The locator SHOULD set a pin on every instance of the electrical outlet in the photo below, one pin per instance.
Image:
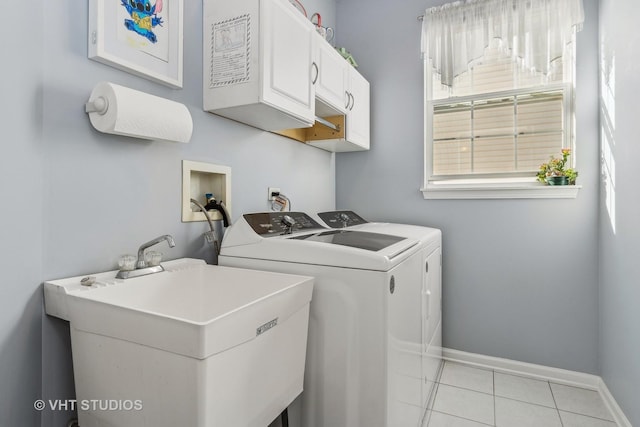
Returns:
(272, 190)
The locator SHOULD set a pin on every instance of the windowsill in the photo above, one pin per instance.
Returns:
(497, 188)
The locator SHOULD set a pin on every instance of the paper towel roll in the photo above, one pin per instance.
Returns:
(128, 112)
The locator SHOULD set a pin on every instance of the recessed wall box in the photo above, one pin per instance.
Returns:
(200, 178)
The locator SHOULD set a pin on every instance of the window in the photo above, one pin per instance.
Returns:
(496, 107)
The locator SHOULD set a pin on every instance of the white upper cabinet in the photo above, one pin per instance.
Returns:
(331, 78)
(287, 59)
(358, 115)
(258, 63)
(266, 66)
(350, 96)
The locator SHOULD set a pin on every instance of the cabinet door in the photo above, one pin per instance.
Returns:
(358, 126)
(287, 57)
(332, 76)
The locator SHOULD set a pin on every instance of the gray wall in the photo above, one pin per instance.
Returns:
(21, 217)
(619, 229)
(520, 277)
(75, 199)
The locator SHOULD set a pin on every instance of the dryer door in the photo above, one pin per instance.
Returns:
(431, 318)
(405, 343)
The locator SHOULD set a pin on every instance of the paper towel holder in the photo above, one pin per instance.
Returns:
(99, 105)
(123, 111)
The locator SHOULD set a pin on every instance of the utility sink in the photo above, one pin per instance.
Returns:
(195, 345)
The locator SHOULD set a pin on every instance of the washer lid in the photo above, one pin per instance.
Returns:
(271, 236)
(355, 239)
(349, 220)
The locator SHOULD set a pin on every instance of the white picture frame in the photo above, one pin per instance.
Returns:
(133, 36)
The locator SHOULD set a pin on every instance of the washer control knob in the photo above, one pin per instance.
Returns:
(345, 219)
(289, 223)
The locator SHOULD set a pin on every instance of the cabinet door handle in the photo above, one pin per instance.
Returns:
(350, 101)
(315, 79)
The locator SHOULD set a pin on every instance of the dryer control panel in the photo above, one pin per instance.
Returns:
(269, 224)
(341, 219)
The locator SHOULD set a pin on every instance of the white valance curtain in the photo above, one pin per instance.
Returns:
(535, 32)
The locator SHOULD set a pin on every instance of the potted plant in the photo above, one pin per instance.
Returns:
(554, 172)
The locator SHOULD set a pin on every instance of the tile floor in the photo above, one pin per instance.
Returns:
(471, 397)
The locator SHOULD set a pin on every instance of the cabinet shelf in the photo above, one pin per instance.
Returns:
(318, 131)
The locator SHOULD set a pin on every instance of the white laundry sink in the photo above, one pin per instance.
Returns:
(195, 345)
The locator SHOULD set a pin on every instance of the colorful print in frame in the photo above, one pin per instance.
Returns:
(143, 37)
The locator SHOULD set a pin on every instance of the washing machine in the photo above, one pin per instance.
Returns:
(367, 350)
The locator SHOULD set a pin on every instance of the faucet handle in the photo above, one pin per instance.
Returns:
(152, 258)
(127, 262)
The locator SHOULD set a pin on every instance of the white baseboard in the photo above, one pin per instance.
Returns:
(615, 409)
(558, 376)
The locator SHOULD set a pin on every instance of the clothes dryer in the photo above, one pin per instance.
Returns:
(430, 247)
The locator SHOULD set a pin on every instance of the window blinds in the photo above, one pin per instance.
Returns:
(513, 133)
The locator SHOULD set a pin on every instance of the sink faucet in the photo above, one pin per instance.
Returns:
(141, 262)
(141, 265)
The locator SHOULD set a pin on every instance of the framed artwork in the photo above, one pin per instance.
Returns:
(142, 37)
